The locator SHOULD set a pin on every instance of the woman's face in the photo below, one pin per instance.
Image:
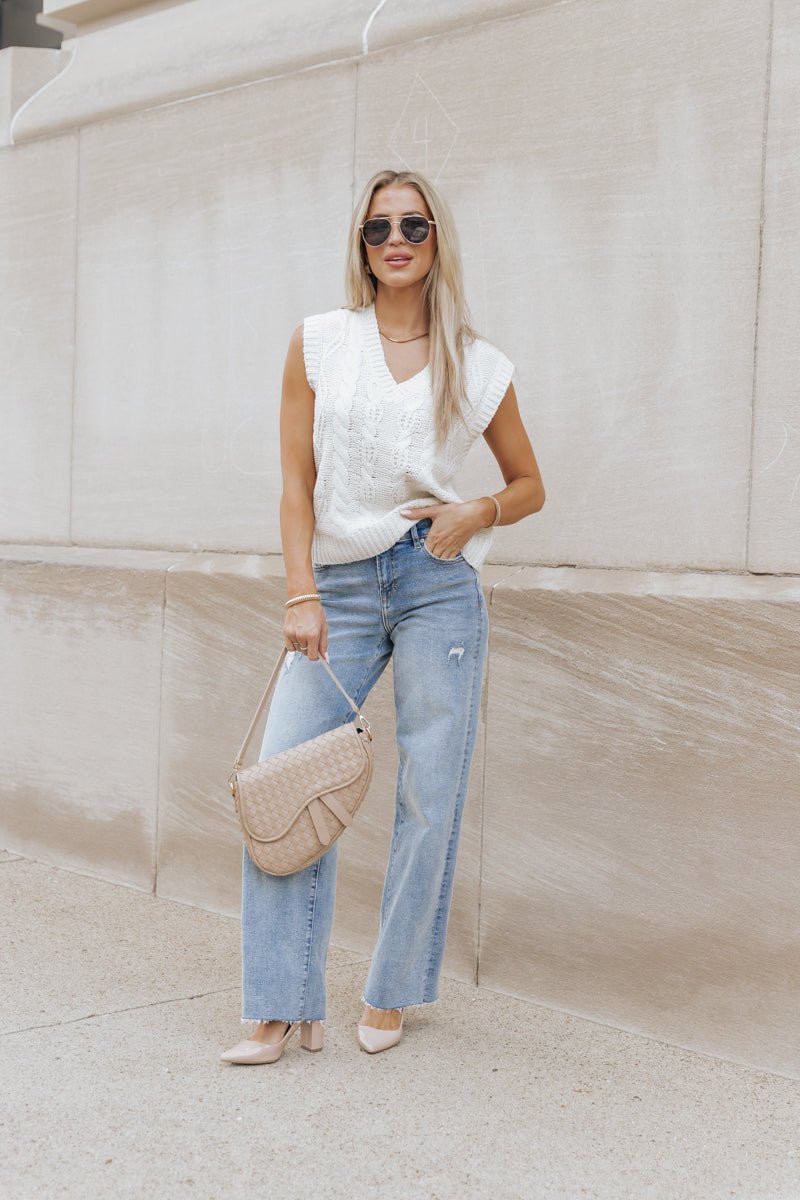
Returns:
(397, 201)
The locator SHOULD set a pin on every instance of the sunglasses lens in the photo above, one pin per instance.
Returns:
(414, 229)
(376, 231)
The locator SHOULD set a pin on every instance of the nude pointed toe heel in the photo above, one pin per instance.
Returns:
(312, 1035)
(254, 1051)
(374, 1040)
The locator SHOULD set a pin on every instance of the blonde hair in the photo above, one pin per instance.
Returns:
(449, 322)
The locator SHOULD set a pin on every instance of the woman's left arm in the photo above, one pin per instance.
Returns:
(523, 494)
(508, 441)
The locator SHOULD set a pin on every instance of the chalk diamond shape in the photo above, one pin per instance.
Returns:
(425, 134)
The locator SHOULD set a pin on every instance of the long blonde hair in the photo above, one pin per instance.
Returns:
(445, 307)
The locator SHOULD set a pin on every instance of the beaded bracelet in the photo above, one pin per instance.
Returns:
(496, 520)
(298, 599)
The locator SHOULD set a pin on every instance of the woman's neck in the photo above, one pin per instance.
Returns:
(401, 311)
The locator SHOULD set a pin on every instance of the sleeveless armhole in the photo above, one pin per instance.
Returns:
(312, 348)
(496, 372)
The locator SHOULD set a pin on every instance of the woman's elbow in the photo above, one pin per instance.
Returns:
(538, 496)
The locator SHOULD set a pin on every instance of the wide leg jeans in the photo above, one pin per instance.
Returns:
(428, 615)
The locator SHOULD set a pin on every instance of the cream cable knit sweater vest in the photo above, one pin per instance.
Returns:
(374, 444)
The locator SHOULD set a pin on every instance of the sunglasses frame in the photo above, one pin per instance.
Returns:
(398, 222)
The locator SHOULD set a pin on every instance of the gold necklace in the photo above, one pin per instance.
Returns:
(411, 339)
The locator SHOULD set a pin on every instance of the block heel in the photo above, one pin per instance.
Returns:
(312, 1035)
(255, 1051)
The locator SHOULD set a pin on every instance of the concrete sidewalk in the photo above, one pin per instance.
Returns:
(116, 1006)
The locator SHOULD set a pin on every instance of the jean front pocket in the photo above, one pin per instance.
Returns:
(456, 557)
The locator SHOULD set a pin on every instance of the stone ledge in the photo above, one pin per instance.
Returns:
(89, 556)
(180, 53)
(117, 69)
(68, 16)
(208, 562)
(697, 585)
(495, 577)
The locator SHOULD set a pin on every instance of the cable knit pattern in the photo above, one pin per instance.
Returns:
(375, 440)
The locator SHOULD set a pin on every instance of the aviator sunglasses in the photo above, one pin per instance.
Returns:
(414, 229)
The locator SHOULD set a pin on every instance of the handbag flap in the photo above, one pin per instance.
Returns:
(275, 792)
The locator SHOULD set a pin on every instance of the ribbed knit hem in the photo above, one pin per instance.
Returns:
(361, 543)
(382, 535)
(312, 348)
(477, 548)
(495, 391)
(371, 341)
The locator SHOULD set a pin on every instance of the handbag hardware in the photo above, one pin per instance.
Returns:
(292, 806)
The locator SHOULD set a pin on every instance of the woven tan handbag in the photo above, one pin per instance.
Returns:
(293, 806)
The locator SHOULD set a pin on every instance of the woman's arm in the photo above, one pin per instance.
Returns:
(305, 623)
(508, 441)
(454, 524)
(298, 470)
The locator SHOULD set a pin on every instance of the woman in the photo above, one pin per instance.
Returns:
(381, 401)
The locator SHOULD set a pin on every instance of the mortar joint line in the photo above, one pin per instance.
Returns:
(160, 739)
(761, 217)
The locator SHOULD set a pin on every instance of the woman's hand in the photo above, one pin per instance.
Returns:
(452, 524)
(306, 629)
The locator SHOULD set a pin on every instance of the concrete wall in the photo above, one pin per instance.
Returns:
(174, 193)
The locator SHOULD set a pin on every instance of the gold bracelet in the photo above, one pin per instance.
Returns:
(299, 599)
(496, 520)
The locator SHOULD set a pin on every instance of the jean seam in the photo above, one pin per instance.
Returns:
(461, 784)
(310, 939)
(359, 699)
(399, 822)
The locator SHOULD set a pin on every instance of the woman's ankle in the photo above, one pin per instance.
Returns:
(271, 1030)
(381, 1018)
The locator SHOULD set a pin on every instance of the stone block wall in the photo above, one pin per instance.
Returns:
(174, 193)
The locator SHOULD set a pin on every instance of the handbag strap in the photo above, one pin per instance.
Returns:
(268, 691)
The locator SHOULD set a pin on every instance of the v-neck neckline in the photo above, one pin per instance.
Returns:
(379, 357)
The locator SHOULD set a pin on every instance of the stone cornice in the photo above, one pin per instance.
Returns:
(172, 50)
(69, 16)
(182, 51)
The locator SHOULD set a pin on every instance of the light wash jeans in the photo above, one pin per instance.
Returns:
(429, 615)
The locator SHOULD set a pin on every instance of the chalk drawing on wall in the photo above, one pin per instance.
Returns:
(425, 134)
(791, 434)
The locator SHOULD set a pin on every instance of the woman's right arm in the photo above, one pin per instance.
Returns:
(305, 623)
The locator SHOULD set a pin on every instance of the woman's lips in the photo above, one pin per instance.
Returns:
(397, 262)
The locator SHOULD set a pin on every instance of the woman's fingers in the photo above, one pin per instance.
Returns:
(307, 641)
(295, 639)
(319, 647)
(312, 647)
